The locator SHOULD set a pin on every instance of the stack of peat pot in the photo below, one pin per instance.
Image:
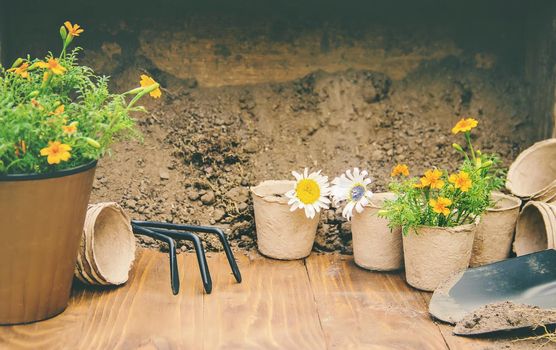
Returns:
(532, 177)
(107, 248)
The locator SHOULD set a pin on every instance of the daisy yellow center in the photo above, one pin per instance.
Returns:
(307, 191)
(357, 192)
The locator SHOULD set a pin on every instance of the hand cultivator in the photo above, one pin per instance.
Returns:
(168, 233)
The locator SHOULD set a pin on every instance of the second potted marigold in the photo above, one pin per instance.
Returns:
(438, 213)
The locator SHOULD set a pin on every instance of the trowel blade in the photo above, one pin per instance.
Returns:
(528, 279)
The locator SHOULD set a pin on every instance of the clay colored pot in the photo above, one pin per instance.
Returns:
(533, 174)
(375, 246)
(536, 228)
(107, 248)
(41, 222)
(495, 232)
(281, 234)
(434, 254)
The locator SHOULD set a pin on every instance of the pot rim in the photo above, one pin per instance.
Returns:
(464, 227)
(274, 198)
(52, 175)
(517, 202)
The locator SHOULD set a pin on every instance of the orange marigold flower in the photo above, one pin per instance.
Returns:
(70, 129)
(461, 181)
(400, 169)
(36, 104)
(432, 178)
(440, 205)
(464, 125)
(21, 70)
(73, 30)
(146, 82)
(59, 110)
(56, 152)
(54, 66)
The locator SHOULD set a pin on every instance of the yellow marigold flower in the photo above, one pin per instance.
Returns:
(147, 81)
(70, 129)
(56, 152)
(440, 205)
(432, 178)
(54, 66)
(461, 181)
(464, 125)
(59, 110)
(400, 169)
(73, 30)
(21, 70)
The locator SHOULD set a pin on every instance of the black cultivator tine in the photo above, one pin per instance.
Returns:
(200, 252)
(174, 275)
(202, 229)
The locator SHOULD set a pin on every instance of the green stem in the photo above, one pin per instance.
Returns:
(468, 139)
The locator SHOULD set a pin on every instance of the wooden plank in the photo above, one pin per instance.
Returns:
(273, 308)
(368, 310)
(141, 314)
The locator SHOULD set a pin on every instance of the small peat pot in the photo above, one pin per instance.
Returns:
(375, 245)
(41, 222)
(281, 233)
(495, 232)
(433, 254)
(107, 248)
(533, 174)
(536, 228)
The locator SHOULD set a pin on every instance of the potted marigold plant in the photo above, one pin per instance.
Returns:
(57, 119)
(439, 212)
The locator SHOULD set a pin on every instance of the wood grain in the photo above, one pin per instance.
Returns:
(324, 302)
(272, 309)
(360, 309)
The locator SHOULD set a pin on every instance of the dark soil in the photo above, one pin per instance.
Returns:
(252, 95)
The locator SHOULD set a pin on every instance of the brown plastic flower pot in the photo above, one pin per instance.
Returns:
(41, 222)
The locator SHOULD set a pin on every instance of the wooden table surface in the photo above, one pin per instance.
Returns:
(322, 302)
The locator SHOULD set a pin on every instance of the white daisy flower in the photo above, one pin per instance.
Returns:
(353, 189)
(310, 193)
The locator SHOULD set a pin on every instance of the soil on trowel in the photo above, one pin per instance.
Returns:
(504, 316)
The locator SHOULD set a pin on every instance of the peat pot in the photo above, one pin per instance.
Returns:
(495, 232)
(433, 254)
(532, 176)
(107, 247)
(281, 233)
(375, 245)
(41, 220)
(536, 228)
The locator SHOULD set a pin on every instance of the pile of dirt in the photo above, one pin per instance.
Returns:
(204, 146)
(504, 316)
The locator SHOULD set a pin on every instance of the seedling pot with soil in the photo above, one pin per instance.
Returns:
(40, 228)
(375, 245)
(434, 254)
(281, 233)
(495, 232)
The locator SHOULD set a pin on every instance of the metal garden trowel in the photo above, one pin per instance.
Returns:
(528, 280)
